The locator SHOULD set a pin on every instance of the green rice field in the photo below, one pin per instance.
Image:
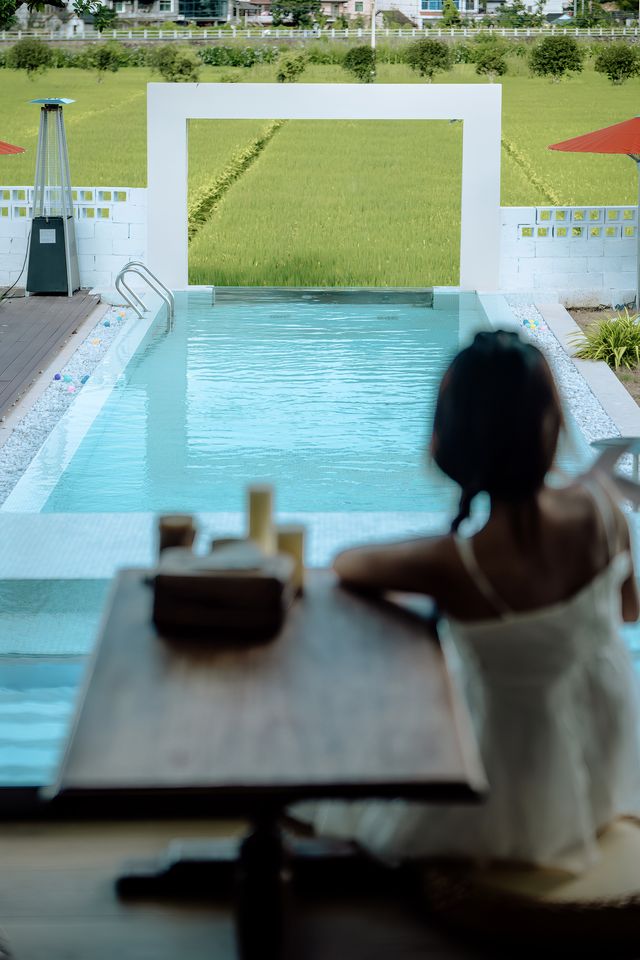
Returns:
(349, 203)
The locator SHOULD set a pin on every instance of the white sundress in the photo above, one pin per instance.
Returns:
(553, 697)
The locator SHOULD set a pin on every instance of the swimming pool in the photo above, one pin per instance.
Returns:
(326, 394)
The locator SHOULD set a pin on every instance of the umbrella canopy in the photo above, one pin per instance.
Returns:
(7, 148)
(618, 138)
(621, 138)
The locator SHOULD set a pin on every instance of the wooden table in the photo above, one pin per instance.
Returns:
(352, 699)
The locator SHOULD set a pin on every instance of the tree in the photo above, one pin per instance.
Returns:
(555, 57)
(428, 57)
(291, 69)
(516, 14)
(618, 61)
(361, 62)
(175, 64)
(30, 55)
(299, 13)
(7, 14)
(490, 62)
(450, 14)
(107, 57)
(103, 16)
(489, 54)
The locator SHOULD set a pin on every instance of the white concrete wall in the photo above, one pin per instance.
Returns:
(584, 256)
(111, 228)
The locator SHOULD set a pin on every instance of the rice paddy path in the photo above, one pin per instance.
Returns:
(207, 200)
(521, 160)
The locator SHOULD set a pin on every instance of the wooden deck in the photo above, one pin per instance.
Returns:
(32, 330)
(57, 902)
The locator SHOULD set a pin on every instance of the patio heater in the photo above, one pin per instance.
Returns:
(53, 257)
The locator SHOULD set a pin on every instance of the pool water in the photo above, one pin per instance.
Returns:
(327, 396)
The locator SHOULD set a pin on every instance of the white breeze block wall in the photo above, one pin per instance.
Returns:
(585, 256)
(111, 228)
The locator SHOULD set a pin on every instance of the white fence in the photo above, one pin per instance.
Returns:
(287, 33)
(585, 256)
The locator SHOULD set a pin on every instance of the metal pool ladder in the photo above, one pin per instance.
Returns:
(132, 298)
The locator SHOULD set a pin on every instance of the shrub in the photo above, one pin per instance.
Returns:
(462, 53)
(291, 69)
(616, 340)
(361, 62)
(108, 57)
(30, 55)
(175, 64)
(618, 61)
(490, 56)
(555, 56)
(428, 57)
(237, 56)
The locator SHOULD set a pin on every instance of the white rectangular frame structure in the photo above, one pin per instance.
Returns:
(170, 105)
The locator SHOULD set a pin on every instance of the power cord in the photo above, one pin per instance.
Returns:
(5, 294)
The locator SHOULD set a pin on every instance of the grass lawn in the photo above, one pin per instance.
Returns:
(345, 203)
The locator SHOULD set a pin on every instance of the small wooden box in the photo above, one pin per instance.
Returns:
(235, 594)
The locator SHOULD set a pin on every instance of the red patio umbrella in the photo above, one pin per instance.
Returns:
(7, 148)
(618, 138)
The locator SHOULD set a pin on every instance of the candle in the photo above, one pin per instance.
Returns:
(260, 517)
(175, 530)
(290, 540)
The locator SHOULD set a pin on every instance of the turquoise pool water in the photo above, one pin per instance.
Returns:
(328, 396)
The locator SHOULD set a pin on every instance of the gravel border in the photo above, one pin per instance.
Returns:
(33, 429)
(581, 402)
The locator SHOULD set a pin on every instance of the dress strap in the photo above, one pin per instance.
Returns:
(473, 568)
(605, 509)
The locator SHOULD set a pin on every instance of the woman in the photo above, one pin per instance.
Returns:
(532, 604)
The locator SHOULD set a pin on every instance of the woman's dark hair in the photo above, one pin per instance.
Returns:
(497, 420)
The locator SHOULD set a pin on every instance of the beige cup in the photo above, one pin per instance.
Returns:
(290, 540)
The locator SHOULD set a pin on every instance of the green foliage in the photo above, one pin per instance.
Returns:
(236, 56)
(108, 58)
(7, 14)
(616, 340)
(618, 61)
(104, 18)
(429, 57)
(299, 13)
(490, 63)
(450, 14)
(30, 55)
(361, 62)
(320, 51)
(291, 69)
(175, 64)
(555, 57)
(516, 14)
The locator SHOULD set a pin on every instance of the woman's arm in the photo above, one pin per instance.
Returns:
(410, 566)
